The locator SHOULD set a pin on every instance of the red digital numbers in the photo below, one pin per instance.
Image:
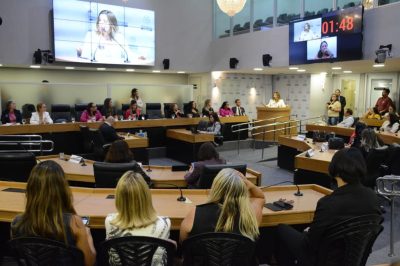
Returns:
(346, 24)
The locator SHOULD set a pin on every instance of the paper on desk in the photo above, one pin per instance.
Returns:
(75, 159)
(188, 201)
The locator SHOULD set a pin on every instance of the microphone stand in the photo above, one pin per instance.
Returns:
(298, 193)
(181, 198)
(83, 162)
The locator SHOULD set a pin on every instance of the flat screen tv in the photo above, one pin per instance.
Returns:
(331, 37)
(95, 33)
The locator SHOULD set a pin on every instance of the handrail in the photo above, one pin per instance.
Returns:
(276, 124)
(25, 140)
(259, 121)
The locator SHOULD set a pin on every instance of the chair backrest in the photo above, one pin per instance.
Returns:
(393, 160)
(218, 249)
(153, 110)
(209, 172)
(61, 113)
(124, 107)
(186, 108)
(16, 166)
(79, 108)
(87, 141)
(107, 175)
(136, 250)
(98, 142)
(27, 110)
(349, 243)
(42, 251)
(375, 158)
(167, 108)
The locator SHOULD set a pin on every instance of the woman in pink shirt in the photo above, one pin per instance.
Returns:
(225, 110)
(91, 114)
(133, 112)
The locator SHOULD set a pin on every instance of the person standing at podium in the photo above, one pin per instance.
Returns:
(276, 101)
(238, 109)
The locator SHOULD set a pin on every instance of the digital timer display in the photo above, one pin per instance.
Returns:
(334, 36)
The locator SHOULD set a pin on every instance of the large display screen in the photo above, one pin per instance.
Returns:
(334, 36)
(90, 32)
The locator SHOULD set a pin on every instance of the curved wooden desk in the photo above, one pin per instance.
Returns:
(94, 203)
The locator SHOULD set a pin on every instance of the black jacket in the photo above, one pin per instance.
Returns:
(241, 110)
(109, 133)
(5, 119)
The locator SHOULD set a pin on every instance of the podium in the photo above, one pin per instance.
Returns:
(275, 115)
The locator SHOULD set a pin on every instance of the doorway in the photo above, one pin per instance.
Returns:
(348, 90)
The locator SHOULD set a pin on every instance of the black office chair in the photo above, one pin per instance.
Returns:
(16, 166)
(375, 159)
(186, 108)
(106, 175)
(167, 109)
(61, 113)
(153, 110)
(136, 250)
(349, 242)
(209, 172)
(27, 110)
(218, 248)
(79, 109)
(99, 147)
(41, 251)
(393, 160)
(87, 141)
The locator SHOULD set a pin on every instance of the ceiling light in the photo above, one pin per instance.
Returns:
(69, 68)
(156, 71)
(347, 71)
(101, 68)
(34, 66)
(181, 72)
(301, 70)
(293, 68)
(378, 65)
(257, 69)
(336, 68)
(130, 70)
(1, 65)
(231, 7)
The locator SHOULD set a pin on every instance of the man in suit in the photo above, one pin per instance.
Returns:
(238, 109)
(108, 131)
(342, 101)
(351, 199)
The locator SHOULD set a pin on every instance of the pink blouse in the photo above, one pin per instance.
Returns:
(225, 112)
(85, 117)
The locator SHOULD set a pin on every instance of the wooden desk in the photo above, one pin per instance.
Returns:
(288, 148)
(389, 138)
(372, 122)
(317, 163)
(161, 175)
(187, 136)
(135, 142)
(93, 203)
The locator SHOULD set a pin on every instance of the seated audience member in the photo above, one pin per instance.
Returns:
(348, 120)
(348, 168)
(391, 124)
(119, 152)
(11, 115)
(50, 213)
(192, 110)
(41, 116)
(334, 108)
(234, 206)
(372, 113)
(238, 109)
(174, 112)
(207, 155)
(225, 110)
(135, 216)
(133, 113)
(135, 96)
(369, 141)
(108, 108)
(392, 109)
(276, 101)
(108, 131)
(383, 103)
(355, 138)
(207, 109)
(214, 125)
(91, 114)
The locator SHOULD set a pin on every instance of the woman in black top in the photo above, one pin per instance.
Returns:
(11, 114)
(108, 108)
(119, 152)
(355, 138)
(207, 109)
(192, 110)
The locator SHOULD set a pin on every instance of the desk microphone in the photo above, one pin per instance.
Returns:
(148, 168)
(181, 197)
(83, 162)
(298, 193)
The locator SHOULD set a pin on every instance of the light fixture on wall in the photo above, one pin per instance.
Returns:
(231, 7)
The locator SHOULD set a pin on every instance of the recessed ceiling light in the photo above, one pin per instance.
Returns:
(347, 71)
(34, 66)
(257, 69)
(130, 70)
(336, 68)
(101, 68)
(378, 65)
(69, 68)
(293, 68)
(301, 70)
(181, 72)
(156, 71)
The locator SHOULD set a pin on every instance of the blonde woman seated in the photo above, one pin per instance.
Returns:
(50, 213)
(276, 101)
(234, 206)
(41, 116)
(136, 215)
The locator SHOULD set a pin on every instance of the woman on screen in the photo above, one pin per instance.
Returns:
(307, 34)
(276, 101)
(106, 44)
(324, 52)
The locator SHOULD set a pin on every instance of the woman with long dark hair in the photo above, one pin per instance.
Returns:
(91, 114)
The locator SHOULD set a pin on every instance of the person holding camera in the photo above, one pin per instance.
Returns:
(334, 107)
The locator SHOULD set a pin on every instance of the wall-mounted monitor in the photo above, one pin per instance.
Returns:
(331, 37)
(90, 32)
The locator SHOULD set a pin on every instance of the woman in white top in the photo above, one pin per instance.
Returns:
(276, 101)
(136, 216)
(41, 116)
(135, 96)
(391, 124)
